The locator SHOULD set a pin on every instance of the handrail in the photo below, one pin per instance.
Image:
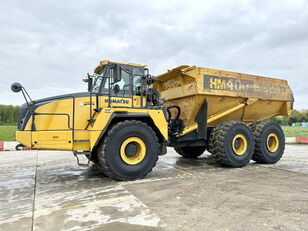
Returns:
(73, 122)
(64, 114)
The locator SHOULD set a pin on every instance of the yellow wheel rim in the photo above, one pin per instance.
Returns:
(272, 142)
(239, 144)
(138, 155)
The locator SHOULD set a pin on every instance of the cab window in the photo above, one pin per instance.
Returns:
(131, 79)
(124, 83)
(137, 83)
(137, 78)
(138, 71)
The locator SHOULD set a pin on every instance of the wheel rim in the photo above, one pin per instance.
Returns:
(272, 142)
(239, 144)
(133, 150)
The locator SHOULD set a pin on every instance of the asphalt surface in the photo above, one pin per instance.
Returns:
(46, 190)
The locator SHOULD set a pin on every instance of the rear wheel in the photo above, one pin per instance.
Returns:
(232, 144)
(129, 151)
(211, 138)
(270, 142)
(190, 151)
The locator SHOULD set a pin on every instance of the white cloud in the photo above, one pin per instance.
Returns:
(49, 45)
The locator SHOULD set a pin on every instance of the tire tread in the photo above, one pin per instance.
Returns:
(102, 148)
(257, 129)
(217, 142)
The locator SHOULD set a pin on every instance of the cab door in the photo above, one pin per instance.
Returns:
(125, 89)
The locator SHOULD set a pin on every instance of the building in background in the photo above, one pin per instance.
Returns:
(303, 124)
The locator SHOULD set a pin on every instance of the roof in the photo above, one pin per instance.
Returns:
(104, 62)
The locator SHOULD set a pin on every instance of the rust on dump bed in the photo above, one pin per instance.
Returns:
(188, 87)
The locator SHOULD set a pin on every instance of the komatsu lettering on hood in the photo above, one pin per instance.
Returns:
(123, 101)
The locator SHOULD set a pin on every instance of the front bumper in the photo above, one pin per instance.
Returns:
(24, 137)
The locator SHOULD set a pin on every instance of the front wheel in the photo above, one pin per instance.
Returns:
(129, 151)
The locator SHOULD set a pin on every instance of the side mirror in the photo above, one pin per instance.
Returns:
(16, 87)
(88, 79)
(116, 73)
(85, 79)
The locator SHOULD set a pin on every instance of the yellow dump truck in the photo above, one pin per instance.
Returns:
(127, 118)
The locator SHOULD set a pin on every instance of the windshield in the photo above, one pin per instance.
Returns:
(97, 81)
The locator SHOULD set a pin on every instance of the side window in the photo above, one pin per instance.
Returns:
(106, 84)
(137, 83)
(124, 84)
(137, 78)
(138, 71)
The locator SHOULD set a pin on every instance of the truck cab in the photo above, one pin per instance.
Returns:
(78, 121)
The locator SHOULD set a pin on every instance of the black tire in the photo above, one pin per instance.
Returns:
(223, 140)
(211, 138)
(263, 132)
(19, 147)
(190, 151)
(109, 152)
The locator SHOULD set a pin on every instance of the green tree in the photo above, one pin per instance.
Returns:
(295, 117)
(9, 114)
(276, 119)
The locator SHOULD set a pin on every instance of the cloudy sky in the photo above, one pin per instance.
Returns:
(49, 45)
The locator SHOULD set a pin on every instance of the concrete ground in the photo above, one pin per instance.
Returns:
(46, 190)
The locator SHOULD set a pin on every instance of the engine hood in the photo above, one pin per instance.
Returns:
(27, 109)
(61, 97)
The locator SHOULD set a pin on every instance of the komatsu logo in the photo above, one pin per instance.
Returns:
(122, 101)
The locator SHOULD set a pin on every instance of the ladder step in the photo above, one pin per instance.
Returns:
(99, 109)
(81, 141)
(78, 161)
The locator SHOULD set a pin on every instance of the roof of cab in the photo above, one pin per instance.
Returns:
(104, 62)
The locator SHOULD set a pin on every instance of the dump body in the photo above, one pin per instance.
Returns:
(229, 95)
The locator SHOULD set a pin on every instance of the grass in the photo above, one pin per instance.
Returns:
(7, 133)
(299, 132)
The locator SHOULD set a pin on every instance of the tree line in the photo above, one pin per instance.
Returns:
(9, 114)
(295, 117)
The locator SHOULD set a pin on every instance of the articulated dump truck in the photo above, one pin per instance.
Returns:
(127, 118)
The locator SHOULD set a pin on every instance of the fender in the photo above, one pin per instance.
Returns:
(116, 117)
